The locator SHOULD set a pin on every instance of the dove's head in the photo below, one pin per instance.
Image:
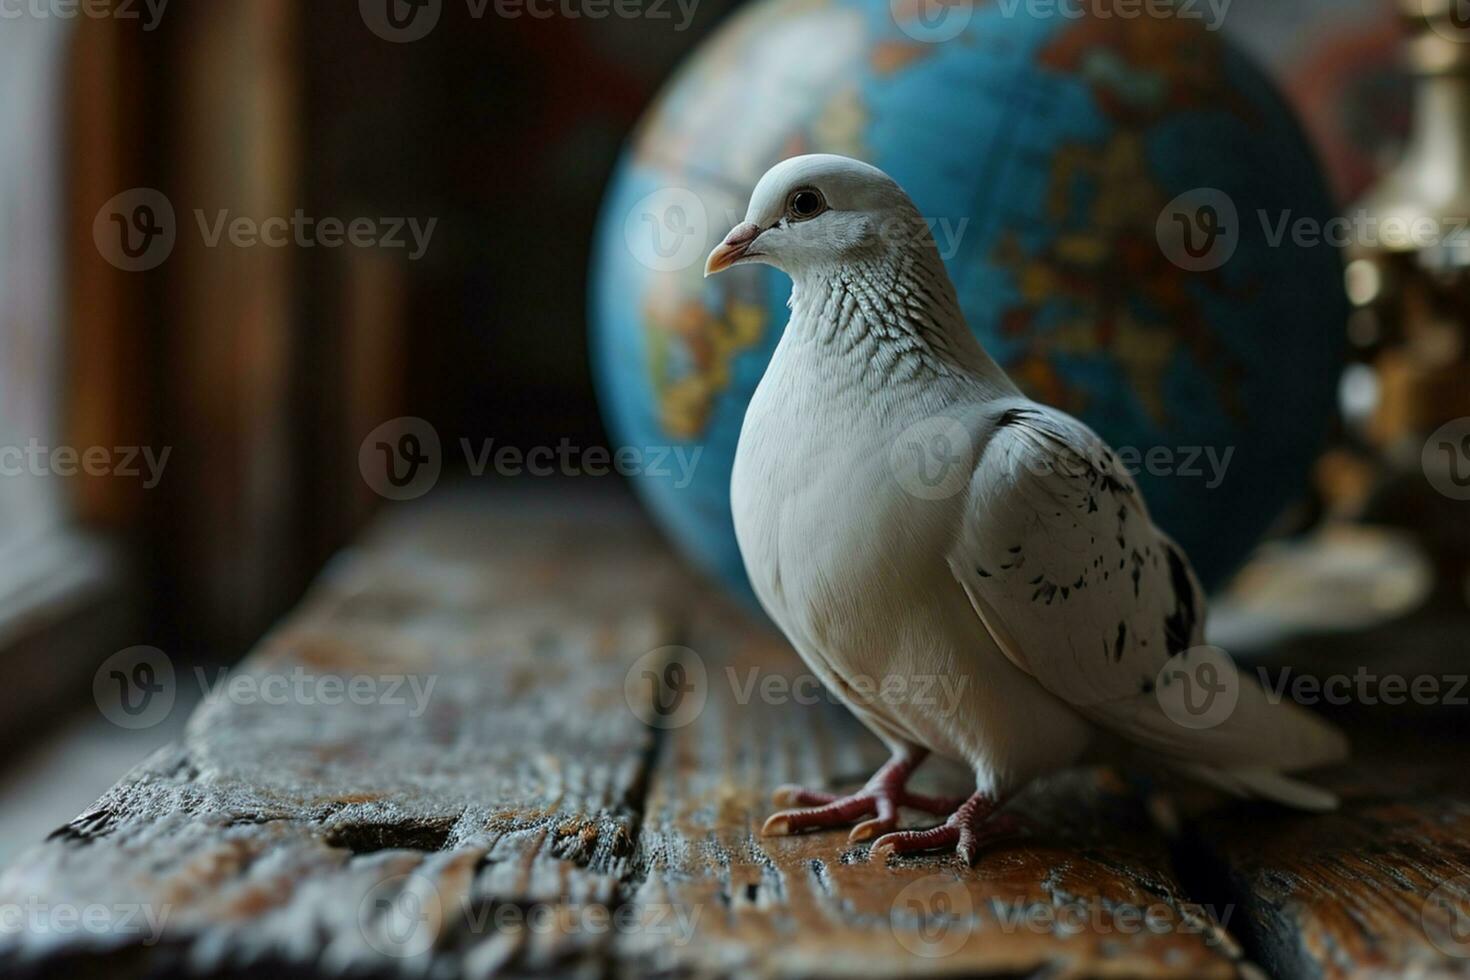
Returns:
(819, 212)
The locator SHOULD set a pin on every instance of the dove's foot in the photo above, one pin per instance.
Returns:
(880, 798)
(968, 829)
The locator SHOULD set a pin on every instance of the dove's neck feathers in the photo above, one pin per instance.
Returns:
(894, 316)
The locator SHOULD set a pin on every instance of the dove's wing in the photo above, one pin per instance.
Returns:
(1079, 589)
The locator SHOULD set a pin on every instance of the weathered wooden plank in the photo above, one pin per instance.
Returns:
(513, 796)
(464, 821)
(1379, 889)
(1088, 893)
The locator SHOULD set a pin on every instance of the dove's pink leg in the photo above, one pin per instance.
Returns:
(881, 797)
(967, 830)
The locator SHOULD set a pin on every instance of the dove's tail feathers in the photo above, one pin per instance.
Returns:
(1249, 753)
(1280, 735)
(1265, 784)
(1248, 750)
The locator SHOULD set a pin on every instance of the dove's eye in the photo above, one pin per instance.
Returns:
(806, 203)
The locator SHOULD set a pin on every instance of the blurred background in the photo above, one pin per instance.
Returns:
(239, 382)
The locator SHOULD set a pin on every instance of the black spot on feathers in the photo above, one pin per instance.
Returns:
(1179, 625)
(1013, 416)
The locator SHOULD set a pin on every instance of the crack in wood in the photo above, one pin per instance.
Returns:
(408, 835)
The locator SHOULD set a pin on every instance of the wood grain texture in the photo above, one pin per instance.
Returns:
(341, 837)
(1379, 889)
(1087, 892)
(559, 763)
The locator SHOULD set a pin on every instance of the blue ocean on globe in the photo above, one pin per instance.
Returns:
(1106, 193)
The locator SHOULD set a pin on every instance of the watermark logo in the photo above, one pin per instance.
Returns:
(135, 688)
(401, 21)
(1199, 230)
(1198, 688)
(1445, 916)
(136, 231)
(400, 917)
(667, 688)
(932, 21)
(932, 459)
(401, 459)
(667, 230)
(933, 917)
(405, 21)
(1446, 459)
(1450, 20)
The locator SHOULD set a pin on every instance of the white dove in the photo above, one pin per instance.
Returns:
(906, 514)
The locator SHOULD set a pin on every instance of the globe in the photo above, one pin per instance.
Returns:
(1124, 205)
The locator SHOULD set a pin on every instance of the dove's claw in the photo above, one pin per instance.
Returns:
(968, 829)
(791, 796)
(907, 841)
(880, 799)
(834, 814)
(869, 829)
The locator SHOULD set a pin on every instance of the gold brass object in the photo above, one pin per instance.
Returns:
(1409, 281)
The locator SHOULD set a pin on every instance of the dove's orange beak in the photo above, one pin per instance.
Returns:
(734, 248)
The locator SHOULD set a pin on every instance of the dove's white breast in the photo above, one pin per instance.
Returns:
(852, 568)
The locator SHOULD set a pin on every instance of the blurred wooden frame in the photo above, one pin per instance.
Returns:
(107, 340)
(75, 600)
(210, 356)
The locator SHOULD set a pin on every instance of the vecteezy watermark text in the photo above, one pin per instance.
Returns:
(668, 688)
(934, 459)
(568, 459)
(138, 229)
(303, 231)
(303, 687)
(39, 919)
(129, 462)
(941, 693)
(1201, 229)
(406, 21)
(403, 458)
(405, 915)
(1211, 12)
(1366, 687)
(1200, 687)
(150, 12)
(1365, 229)
(937, 21)
(136, 688)
(671, 229)
(935, 916)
